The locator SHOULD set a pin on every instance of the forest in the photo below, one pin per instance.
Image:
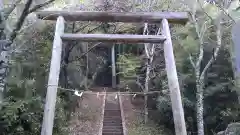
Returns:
(206, 56)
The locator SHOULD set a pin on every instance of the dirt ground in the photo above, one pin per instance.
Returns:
(131, 112)
(86, 119)
(134, 115)
(88, 115)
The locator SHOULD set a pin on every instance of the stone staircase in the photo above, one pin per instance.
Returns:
(112, 121)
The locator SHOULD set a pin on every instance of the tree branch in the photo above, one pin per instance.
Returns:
(87, 51)
(202, 8)
(21, 19)
(153, 46)
(145, 32)
(226, 13)
(73, 26)
(90, 31)
(10, 9)
(35, 8)
(23, 16)
(215, 53)
(189, 55)
(200, 56)
(139, 84)
(81, 28)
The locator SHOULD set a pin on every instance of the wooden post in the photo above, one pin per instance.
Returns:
(177, 107)
(122, 114)
(87, 69)
(114, 83)
(49, 110)
(102, 113)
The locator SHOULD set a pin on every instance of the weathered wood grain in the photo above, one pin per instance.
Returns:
(138, 17)
(114, 79)
(49, 110)
(173, 84)
(118, 38)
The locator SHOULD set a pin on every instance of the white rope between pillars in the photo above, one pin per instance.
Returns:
(81, 92)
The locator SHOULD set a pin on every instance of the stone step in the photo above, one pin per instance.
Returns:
(112, 121)
(112, 133)
(108, 115)
(116, 121)
(112, 113)
(111, 108)
(113, 127)
(112, 118)
(112, 130)
(112, 105)
(112, 124)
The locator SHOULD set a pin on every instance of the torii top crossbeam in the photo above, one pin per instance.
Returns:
(150, 17)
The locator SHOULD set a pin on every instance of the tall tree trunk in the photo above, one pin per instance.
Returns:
(200, 120)
(149, 51)
(199, 107)
(4, 53)
(3, 70)
(146, 90)
(148, 62)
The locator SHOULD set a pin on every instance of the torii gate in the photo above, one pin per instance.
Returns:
(153, 17)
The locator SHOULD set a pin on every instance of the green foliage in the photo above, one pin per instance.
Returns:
(212, 10)
(234, 10)
(21, 117)
(219, 95)
(139, 128)
(233, 129)
(22, 111)
(128, 65)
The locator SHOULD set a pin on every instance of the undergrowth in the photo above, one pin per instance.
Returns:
(139, 128)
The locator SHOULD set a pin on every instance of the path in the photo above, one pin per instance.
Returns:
(112, 122)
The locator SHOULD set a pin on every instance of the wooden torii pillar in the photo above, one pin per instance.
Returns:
(153, 17)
